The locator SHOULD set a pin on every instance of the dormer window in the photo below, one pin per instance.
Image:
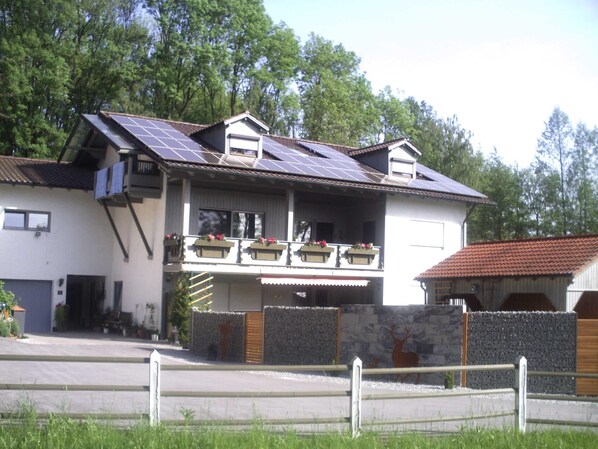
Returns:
(243, 145)
(402, 168)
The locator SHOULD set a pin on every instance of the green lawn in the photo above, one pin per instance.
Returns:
(64, 433)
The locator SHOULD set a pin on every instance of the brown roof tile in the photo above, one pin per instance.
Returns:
(551, 256)
(41, 172)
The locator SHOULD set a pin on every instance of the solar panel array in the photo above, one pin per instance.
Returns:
(165, 141)
(172, 145)
(341, 167)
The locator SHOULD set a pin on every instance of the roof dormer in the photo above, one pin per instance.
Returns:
(397, 158)
(240, 135)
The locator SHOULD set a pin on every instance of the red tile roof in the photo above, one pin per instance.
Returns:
(41, 172)
(551, 256)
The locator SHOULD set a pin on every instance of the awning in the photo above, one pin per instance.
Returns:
(335, 282)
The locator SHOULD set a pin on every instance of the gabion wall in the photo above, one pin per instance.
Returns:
(300, 335)
(223, 332)
(548, 340)
(415, 335)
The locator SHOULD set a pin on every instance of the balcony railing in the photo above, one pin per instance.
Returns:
(246, 252)
(141, 179)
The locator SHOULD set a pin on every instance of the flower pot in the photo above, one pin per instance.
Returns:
(361, 256)
(215, 249)
(315, 254)
(263, 251)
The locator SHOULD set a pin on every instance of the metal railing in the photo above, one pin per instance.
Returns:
(355, 396)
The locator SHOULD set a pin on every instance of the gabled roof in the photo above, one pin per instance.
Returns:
(40, 172)
(551, 256)
(174, 145)
(388, 146)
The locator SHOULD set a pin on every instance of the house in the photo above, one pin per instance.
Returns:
(541, 274)
(89, 230)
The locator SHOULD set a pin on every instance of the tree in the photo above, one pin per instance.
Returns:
(508, 219)
(445, 145)
(58, 59)
(396, 119)
(583, 180)
(554, 153)
(336, 98)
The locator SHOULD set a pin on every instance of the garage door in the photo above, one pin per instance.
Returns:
(36, 298)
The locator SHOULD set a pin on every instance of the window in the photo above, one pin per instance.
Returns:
(26, 220)
(118, 295)
(242, 225)
(302, 231)
(247, 225)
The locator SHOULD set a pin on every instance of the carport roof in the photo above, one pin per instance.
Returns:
(551, 256)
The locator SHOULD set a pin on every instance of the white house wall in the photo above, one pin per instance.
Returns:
(141, 275)
(407, 253)
(586, 280)
(78, 243)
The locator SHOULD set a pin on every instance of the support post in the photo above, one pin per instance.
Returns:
(154, 388)
(116, 234)
(139, 228)
(186, 201)
(355, 406)
(290, 214)
(520, 394)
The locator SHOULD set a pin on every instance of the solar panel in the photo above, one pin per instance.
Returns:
(342, 167)
(162, 139)
(170, 144)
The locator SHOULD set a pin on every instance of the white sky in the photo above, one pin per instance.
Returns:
(500, 66)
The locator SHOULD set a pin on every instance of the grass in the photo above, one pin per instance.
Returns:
(63, 433)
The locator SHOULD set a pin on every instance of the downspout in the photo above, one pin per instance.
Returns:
(464, 225)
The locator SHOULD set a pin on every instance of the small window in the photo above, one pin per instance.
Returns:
(302, 231)
(247, 225)
(213, 222)
(26, 220)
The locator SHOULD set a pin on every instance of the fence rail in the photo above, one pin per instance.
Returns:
(354, 393)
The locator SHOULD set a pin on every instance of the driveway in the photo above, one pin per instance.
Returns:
(95, 344)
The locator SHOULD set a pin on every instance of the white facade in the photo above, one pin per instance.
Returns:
(79, 242)
(419, 232)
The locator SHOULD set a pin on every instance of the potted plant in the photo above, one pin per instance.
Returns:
(213, 246)
(60, 316)
(361, 253)
(315, 251)
(266, 249)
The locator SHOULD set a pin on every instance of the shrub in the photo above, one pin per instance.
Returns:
(4, 328)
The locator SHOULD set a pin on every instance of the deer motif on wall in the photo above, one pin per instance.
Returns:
(402, 358)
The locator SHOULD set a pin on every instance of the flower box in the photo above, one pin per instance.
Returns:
(264, 251)
(315, 253)
(215, 249)
(361, 256)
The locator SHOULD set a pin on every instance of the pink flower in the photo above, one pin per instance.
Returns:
(219, 237)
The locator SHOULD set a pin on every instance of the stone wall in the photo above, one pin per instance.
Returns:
(547, 340)
(300, 335)
(415, 335)
(223, 331)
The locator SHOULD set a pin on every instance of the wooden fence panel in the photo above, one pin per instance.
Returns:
(254, 337)
(587, 356)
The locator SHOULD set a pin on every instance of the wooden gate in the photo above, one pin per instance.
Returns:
(254, 337)
(587, 356)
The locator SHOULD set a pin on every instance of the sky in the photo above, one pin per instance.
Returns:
(500, 66)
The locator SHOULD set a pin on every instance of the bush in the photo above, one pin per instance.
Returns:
(14, 328)
(4, 328)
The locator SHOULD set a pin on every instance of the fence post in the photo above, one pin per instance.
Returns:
(355, 409)
(154, 388)
(520, 393)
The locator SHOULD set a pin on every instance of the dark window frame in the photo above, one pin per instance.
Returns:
(27, 215)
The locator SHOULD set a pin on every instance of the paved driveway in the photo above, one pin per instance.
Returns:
(219, 408)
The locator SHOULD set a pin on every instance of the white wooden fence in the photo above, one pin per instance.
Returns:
(355, 396)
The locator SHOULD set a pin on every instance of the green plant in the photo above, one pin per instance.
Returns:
(14, 328)
(7, 298)
(180, 312)
(60, 316)
(4, 328)
(449, 380)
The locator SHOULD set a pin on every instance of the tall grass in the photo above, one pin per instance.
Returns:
(63, 433)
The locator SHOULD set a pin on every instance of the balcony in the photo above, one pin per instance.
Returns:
(190, 250)
(140, 179)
